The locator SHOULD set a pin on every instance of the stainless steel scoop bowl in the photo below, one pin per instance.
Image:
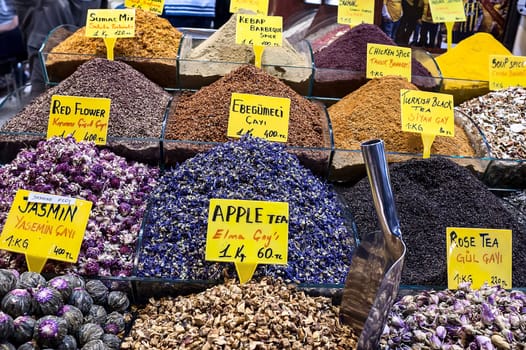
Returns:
(376, 267)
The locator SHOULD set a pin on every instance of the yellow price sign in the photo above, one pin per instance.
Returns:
(247, 233)
(265, 117)
(427, 113)
(478, 256)
(258, 6)
(257, 30)
(84, 118)
(506, 71)
(155, 6)
(44, 226)
(447, 11)
(383, 60)
(107, 23)
(354, 12)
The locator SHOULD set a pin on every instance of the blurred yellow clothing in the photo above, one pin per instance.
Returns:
(394, 8)
(426, 14)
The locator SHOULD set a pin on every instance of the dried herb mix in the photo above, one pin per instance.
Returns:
(118, 190)
(137, 105)
(256, 315)
(431, 195)
(320, 241)
(373, 111)
(204, 115)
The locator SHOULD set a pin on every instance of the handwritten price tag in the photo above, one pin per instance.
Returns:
(258, 6)
(85, 118)
(383, 60)
(247, 233)
(478, 256)
(155, 6)
(44, 226)
(106, 23)
(259, 30)
(260, 116)
(447, 11)
(354, 12)
(506, 71)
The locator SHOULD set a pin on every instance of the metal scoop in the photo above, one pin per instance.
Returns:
(376, 267)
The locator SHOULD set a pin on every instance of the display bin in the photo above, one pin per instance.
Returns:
(143, 150)
(348, 165)
(194, 73)
(317, 159)
(463, 90)
(505, 173)
(57, 66)
(337, 83)
(499, 173)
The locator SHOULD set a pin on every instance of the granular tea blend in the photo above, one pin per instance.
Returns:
(204, 115)
(431, 195)
(321, 240)
(373, 111)
(219, 55)
(256, 315)
(346, 60)
(155, 39)
(137, 106)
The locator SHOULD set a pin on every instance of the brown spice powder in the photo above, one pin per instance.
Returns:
(204, 115)
(373, 111)
(154, 38)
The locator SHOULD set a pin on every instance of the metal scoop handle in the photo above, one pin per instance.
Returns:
(378, 173)
(376, 266)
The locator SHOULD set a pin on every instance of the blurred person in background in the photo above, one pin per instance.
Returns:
(40, 17)
(428, 29)
(474, 15)
(190, 13)
(391, 14)
(412, 12)
(12, 48)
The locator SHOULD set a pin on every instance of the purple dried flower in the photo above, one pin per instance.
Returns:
(50, 330)
(23, 329)
(487, 315)
(6, 326)
(484, 342)
(48, 300)
(17, 302)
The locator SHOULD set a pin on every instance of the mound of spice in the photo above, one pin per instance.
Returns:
(256, 315)
(501, 116)
(219, 54)
(117, 189)
(137, 110)
(373, 111)
(487, 318)
(431, 195)
(155, 38)
(173, 244)
(61, 321)
(346, 59)
(204, 115)
(465, 66)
